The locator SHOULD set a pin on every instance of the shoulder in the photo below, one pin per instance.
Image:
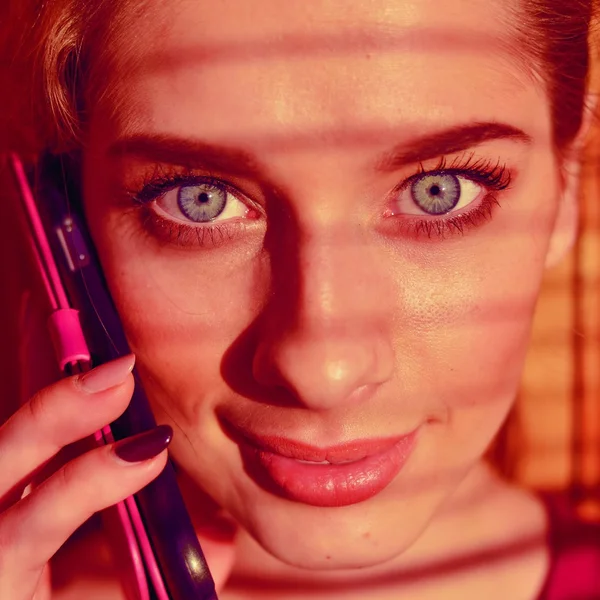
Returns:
(575, 553)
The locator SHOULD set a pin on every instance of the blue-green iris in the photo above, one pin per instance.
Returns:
(436, 194)
(202, 202)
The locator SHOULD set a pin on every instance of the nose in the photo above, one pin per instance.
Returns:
(325, 337)
(324, 369)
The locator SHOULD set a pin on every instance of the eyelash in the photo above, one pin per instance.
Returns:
(158, 183)
(492, 175)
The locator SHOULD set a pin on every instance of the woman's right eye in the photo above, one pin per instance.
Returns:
(202, 202)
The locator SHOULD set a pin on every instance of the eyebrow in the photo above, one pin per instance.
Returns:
(449, 141)
(188, 152)
(180, 151)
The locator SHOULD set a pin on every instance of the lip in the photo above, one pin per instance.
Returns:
(355, 471)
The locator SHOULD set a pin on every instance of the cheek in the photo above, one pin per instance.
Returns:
(475, 300)
(170, 307)
(181, 313)
(470, 312)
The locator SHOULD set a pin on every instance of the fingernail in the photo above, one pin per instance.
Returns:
(144, 446)
(108, 375)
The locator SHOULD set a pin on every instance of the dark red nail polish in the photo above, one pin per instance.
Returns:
(144, 446)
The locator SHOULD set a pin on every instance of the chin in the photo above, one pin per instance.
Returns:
(348, 558)
(360, 536)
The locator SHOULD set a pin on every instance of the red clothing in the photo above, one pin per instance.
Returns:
(574, 572)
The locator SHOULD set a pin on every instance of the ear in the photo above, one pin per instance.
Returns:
(566, 225)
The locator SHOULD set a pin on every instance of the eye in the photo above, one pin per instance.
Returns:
(436, 193)
(202, 202)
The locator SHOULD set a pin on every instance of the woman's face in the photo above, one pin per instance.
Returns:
(324, 225)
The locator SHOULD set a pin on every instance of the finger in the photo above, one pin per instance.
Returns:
(58, 415)
(33, 530)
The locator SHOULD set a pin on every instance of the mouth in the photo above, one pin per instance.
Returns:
(337, 476)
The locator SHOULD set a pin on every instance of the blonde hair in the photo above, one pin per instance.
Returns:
(48, 67)
(41, 40)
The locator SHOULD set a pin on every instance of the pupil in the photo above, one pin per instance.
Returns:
(203, 198)
(435, 190)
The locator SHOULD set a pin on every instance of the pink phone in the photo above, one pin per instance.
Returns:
(151, 532)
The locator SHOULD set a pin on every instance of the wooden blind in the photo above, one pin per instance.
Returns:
(553, 437)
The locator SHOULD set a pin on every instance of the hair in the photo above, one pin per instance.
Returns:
(51, 50)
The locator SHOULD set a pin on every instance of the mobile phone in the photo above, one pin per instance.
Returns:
(151, 528)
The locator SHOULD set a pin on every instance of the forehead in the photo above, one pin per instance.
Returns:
(256, 22)
(263, 68)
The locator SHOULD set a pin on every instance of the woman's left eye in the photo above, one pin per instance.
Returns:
(436, 194)
(202, 202)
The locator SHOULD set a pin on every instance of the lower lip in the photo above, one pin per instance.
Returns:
(328, 485)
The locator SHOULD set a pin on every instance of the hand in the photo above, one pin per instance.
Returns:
(32, 528)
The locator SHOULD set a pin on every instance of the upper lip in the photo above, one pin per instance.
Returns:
(346, 452)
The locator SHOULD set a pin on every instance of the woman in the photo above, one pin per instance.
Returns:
(324, 226)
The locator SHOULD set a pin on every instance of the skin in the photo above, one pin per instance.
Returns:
(336, 322)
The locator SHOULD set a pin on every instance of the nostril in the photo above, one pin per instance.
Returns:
(363, 393)
(264, 369)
